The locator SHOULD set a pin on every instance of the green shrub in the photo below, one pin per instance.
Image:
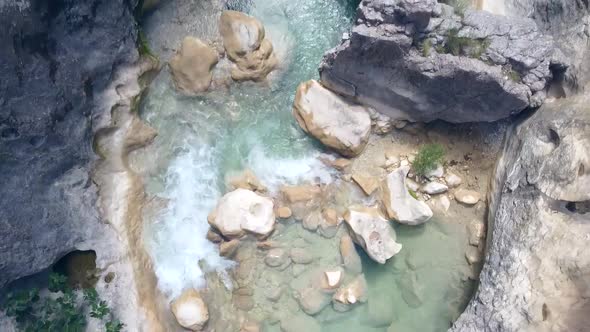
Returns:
(460, 6)
(514, 76)
(412, 193)
(60, 311)
(456, 45)
(427, 158)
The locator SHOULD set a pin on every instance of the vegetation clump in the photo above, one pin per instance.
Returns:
(425, 47)
(460, 6)
(456, 45)
(428, 157)
(59, 310)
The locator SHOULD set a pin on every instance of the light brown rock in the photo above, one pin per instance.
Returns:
(302, 193)
(350, 294)
(350, 258)
(227, 249)
(284, 212)
(467, 197)
(213, 236)
(192, 65)
(338, 124)
(366, 182)
(246, 46)
(246, 180)
(190, 310)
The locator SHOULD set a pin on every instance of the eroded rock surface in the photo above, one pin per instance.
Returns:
(192, 65)
(55, 65)
(536, 274)
(246, 46)
(338, 124)
(190, 310)
(418, 60)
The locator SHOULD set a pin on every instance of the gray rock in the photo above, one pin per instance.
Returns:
(535, 276)
(502, 72)
(569, 23)
(54, 66)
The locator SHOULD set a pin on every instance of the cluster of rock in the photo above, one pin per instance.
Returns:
(245, 45)
(421, 61)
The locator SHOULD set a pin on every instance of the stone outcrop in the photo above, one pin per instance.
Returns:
(192, 65)
(372, 232)
(190, 310)
(337, 123)
(399, 203)
(246, 46)
(243, 211)
(569, 24)
(418, 60)
(536, 272)
(55, 68)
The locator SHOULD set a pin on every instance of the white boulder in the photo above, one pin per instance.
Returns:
(242, 211)
(399, 203)
(467, 197)
(372, 232)
(338, 124)
(433, 188)
(190, 310)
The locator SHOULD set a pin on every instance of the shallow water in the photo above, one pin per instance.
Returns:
(202, 140)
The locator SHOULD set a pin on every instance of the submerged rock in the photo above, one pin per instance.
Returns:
(247, 180)
(192, 65)
(190, 310)
(302, 193)
(350, 294)
(535, 276)
(413, 60)
(246, 46)
(242, 211)
(398, 202)
(337, 123)
(312, 300)
(300, 323)
(350, 258)
(372, 232)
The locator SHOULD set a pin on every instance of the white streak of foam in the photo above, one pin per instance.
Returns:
(274, 172)
(178, 245)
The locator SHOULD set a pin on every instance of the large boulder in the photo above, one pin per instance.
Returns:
(243, 211)
(55, 66)
(190, 310)
(418, 60)
(536, 275)
(372, 232)
(246, 46)
(337, 123)
(192, 65)
(399, 203)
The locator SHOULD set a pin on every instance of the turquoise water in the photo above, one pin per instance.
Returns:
(203, 139)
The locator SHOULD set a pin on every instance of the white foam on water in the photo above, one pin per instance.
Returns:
(274, 172)
(178, 243)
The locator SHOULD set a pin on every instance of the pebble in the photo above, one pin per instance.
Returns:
(468, 197)
(453, 180)
(434, 188)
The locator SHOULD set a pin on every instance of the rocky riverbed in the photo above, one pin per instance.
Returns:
(223, 185)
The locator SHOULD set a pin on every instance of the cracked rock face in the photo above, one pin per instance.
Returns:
(55, 64)
(418, 60)
(537, 271)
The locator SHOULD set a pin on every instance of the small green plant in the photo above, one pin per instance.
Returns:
(514, 75)
(413, 193)
(456, 45)
(62, 310)
(426, 47)
(113, 326)
(460, 6)
(143, 46)
(57, 282)
(427, 158)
